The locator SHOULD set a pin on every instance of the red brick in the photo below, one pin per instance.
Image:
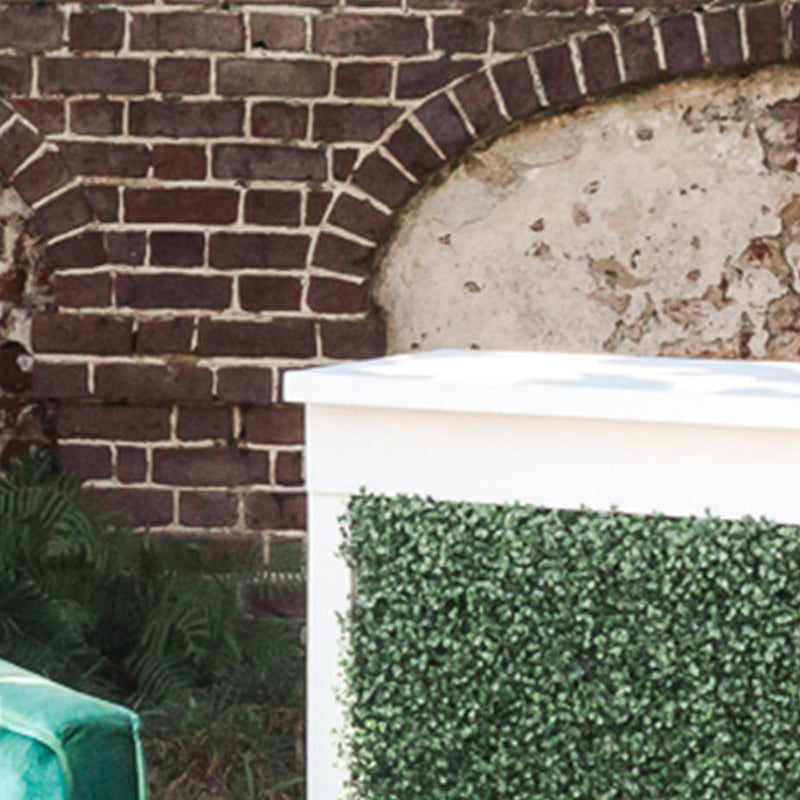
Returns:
(288, 338)
(681, 44)
(723, 38)
(217, 206)
(267, 293)
(87, 290)
(12, 284)
(126, 248)
(12, 377)
(32, 29)
(175, 119)
(210, 466)
(170, 290)
(413, 152)
(139, 506)
(639, 52)
(269, 162)
(61, 381)
(97, 117)
(42, 177)
(183, 75)
(272, 207)
(477, 99)
(99, 158)
(187, 31)
(293, 78)
(17, 143)
(279, 121)
(289, 469)
(81, 75)
(347, 35)
(354, 339)
(558, 75)
(277, 32)
(96, 30)
(205, 422)
(152, 383)
(87, 249)
(121, 423)
(258, 250)
(156, 337)
(352, 123)
(179, 162)
(384, 181)
(359, 217)
(317, 202)
(764, 33)
(418, 79)
(103, 200)
(342, 255)
(331, 296)
(64, 213)
(363, 80)
(442, 121)
(516, 33)
(204, 509)
(244, 385)
(131, 464)
(176, 249)
(73, 333)
(85, 461)
(15, 74)
(599, 63)
(515, 83)
(461, 34)
(275, 510)
(47, 116)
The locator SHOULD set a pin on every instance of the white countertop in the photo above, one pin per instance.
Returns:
(757, 394)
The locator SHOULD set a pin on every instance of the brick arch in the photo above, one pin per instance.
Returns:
(555, 76)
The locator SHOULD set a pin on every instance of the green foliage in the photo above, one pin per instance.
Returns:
(516, 652)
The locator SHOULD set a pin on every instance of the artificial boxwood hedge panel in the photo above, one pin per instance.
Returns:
(517, 652)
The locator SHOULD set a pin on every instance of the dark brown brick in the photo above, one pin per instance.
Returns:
(442, 121)
(15, 74)
(187, 31)
(352, 123)
(12, 284)
(244, 385)
(418, 79)
(258, 250)
(157, 337)
(32, 29)
(268, 293)
(279, 121)
(558, 75)
(275, 510)
(205, 422)
(42, 177)
(181, 205)
(131, 464)
(126, 247)
(348, 35)
(277, 32)
(461, 34)
(723, 38)
(269, 162)
(289, 338)
(73, 333)
(142, 507)
(17, 143)
(176, 249)
(477, 99)
(47, 116)
(293, 78)
(173, 162)
(13, 378)
(354, 338)
(639, 52)
(210, 466)
(170, 290)
(599, 63)
(363, 80)
(86, 461)
(289, 468)
(96, 30)
(103, 200)
(331, 296)
(175, 119)
(59, 381)
(183, 75)
(96, 117)
(764, 33)
(277, 424)
(204, 509)
(152, 383)
(86, 290)
(359, 217)
(81, 75)
(342, 255)
(120, 423)
(87, 249)
(681, 44)
(100, 158)
(384, 181)
(515, 83)
(64, 213)
(317, 202)
(272, 207)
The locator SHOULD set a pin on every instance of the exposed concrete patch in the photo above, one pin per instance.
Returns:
(667, 222)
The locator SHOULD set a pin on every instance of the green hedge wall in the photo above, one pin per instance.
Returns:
(517, 652)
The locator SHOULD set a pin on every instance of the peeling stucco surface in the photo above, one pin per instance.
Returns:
(663, 223)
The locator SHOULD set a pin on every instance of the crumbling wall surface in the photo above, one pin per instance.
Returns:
(662, 223)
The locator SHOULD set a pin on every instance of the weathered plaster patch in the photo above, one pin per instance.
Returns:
(663, 223)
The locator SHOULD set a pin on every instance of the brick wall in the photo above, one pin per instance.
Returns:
(209, 183)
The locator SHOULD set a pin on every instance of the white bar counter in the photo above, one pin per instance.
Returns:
(643, 434)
